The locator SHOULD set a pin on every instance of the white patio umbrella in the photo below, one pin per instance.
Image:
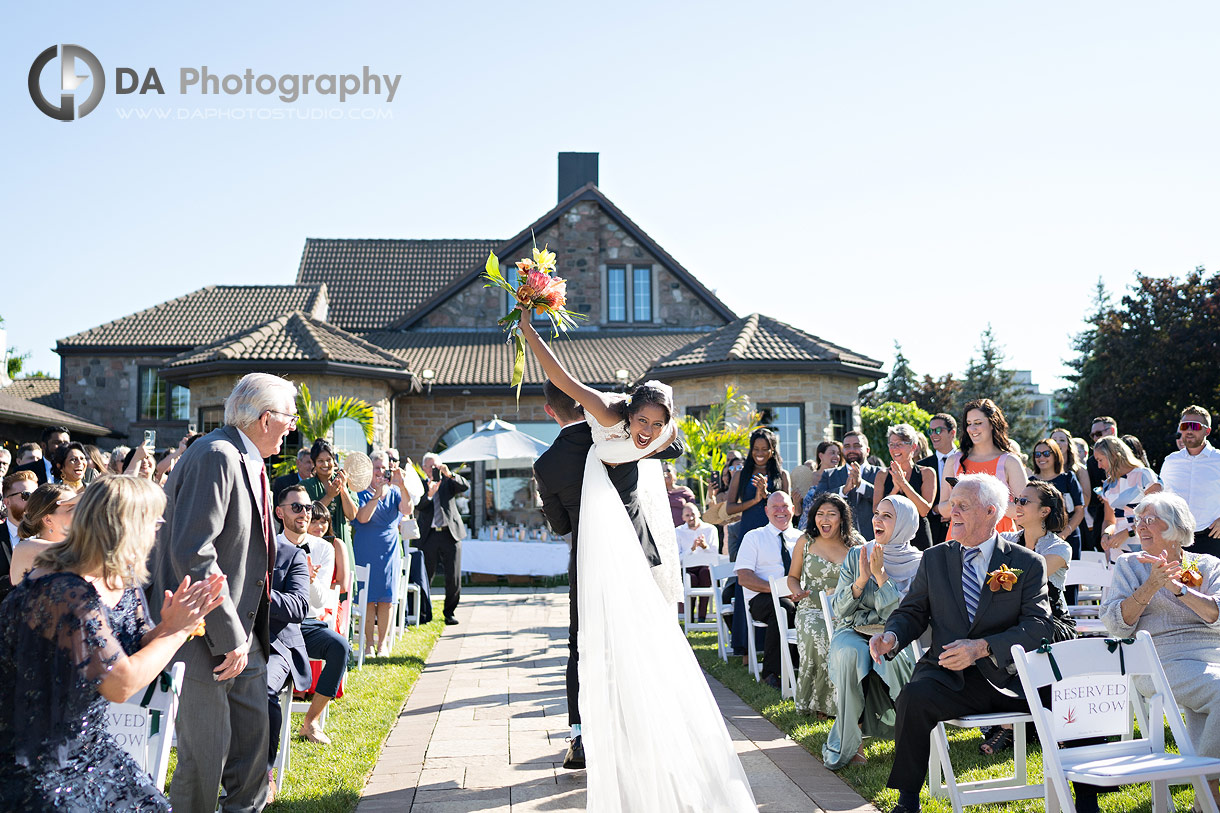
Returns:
(498, 441)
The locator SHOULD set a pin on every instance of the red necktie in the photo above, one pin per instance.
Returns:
(268, 529)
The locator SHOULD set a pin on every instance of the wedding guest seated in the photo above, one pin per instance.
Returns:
(46, 521)
(966, 670)
(288, 660)
(73, 636)
(695, 535)
(872, 581)
(1175, 597)
(322, 643)
(829, 534)
(766, 553)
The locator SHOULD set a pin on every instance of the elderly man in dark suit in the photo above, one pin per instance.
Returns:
(853, 481)
(218, 520)
(968, 669)
(942, 430)
(288, 659)
(442, 529)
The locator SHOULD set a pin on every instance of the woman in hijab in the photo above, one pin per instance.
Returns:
(872, 582)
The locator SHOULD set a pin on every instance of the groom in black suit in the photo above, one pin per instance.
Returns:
(560, 472)
(968, 669)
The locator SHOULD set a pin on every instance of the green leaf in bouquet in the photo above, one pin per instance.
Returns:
(493, 268)
(519, 364)
(511, 318)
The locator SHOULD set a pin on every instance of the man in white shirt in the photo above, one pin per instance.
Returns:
(766, 553)
(942, 430)
(1193, 473)
(695, 536)
(322, 643)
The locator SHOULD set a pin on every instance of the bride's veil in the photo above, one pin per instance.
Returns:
(654, 737)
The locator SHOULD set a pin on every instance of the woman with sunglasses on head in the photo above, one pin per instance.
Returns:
(1127, 481)
(1049, 466)
(983, 448)
(75, 637)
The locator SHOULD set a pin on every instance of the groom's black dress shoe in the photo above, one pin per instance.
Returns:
(450, 620)
(901, 808)
(575, 758)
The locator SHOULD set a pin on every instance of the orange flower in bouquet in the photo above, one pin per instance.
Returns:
(538, 290)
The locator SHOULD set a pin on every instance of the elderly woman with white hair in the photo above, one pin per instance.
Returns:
(376, 545)
(1172, 594)
(908, 479)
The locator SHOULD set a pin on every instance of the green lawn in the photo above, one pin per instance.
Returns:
(869, 779)
(325, 779)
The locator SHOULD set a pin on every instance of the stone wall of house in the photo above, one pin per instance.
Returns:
(815, 394)
(103, 389)
(422, 419)
(586, 241)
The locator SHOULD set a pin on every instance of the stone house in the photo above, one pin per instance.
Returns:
(408, 326)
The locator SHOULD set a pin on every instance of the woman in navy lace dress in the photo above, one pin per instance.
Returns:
(73, 636)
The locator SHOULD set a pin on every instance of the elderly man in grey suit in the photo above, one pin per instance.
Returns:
(218, 520)
(968, 669)
(853, 481)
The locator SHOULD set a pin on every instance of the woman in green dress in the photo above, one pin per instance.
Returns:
(329, 487)
(829, 533)
(872, 582)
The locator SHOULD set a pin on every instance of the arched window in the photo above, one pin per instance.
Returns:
(454, 435)
(349, 437)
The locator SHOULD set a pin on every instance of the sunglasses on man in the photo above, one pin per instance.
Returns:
(24, 495)
(297, 507)
(1192, 426)
(1100, 434)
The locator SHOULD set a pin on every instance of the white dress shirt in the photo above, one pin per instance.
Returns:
(983, 561)
(1196, 479)
(12, 532)
(322, 554)
(759, 552)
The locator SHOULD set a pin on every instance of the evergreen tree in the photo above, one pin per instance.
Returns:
(988, 377)
(939, 394)
(902, 385)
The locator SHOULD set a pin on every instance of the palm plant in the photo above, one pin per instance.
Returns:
(727, 426)
(316, 420)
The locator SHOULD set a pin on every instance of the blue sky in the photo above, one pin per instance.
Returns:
(866, 172)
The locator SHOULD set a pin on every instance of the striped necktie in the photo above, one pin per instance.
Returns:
(970, 581)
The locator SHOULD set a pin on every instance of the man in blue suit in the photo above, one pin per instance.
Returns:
(853, 481)
(288, 659)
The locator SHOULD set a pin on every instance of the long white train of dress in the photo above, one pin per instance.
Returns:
(654, 738)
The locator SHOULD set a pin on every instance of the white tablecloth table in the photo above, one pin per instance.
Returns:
(504, 558)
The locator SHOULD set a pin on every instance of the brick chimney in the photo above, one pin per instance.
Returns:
(575, 170)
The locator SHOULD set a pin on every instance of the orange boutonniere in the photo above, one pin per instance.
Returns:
(1004, 577)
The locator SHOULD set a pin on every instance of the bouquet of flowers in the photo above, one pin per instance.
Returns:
(538, 290)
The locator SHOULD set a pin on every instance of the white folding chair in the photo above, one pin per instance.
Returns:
(754, 658)
(408, 597)
(144, 725)
(724, 613)
(943, 782)
(1097, 575)
(828, 612)
(780, 589)
(360, 610)
(690, 595)
(1128, 761)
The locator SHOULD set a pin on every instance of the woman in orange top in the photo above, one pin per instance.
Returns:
(984, 448)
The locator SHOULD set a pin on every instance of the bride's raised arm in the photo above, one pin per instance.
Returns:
(601, 406)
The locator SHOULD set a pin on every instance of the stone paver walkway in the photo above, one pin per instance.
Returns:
(485, 726)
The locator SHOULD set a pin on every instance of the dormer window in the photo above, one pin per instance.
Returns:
(629, 293)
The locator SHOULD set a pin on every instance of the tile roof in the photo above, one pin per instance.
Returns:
(14, 409)
(482, 358)
(202, 316)
(292, 337)
(43, 391)
(375, 283)
(761, 340)
(512, 246)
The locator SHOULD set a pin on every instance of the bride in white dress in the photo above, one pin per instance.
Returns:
(654, 737)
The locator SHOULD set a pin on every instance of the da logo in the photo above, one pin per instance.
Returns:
(65, 108)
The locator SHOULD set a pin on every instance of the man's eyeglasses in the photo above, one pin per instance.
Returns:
(1192, 426)
(297, 507)
(1047, 453)
(1099, 434)
(24, 495)
(292, 419)
(937, 430)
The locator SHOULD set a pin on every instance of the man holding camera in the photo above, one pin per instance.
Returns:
(442, 530)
